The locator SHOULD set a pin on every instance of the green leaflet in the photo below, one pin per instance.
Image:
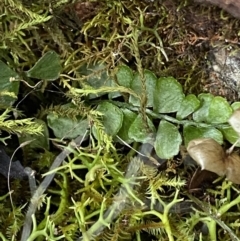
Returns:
(193, 132)
(201, 114)
(124, 76)
(168, 140)
(230, 135)
(48, 67)
(96, 77)
(8, 88)
(235, 105)
(168, 95)
(139, 132)
(189, 104)
(213, 110)
(112, 117)
(128, 118)
(150, 82)
(63, 127)
(219, 111)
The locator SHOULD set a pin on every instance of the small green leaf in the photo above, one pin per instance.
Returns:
(124, 76)
(139, 132)
(168, 95)
(150, 82)
(230, 135)
(219, 111)
(189, 104)
(192, 132)
(66, 128)
(48, 67)
(114, 94)
(201, 114)
(8, 88)
(96, 77)
(235, 105)
(128, 119)
(168, 140)
(112, 117)
(213, 110)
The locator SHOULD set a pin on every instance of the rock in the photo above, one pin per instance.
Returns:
(224, 72)
(16, 170)
(231, 6)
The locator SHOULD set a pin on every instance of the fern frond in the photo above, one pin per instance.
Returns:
(158, 182)
(19, 126)
(149, 171)
(18, 30)
(17, 5)
(58, 37)
(17, 219)
(71, 112)
(153, 228)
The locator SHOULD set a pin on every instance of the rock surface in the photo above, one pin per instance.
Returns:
(224, 72)
(231, 6)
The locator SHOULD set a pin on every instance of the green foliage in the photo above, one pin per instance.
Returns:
(189, 105)
(17, 20)
(165, 147)
(202, 116)
(19, 126)
(138, 131)
(65, 128)
(104, 181)
(47, 67)
(9, 88)
(98, 189)
(112, 118)
(121, 118)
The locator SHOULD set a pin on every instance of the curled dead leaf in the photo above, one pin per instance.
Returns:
(209, 154)
(234, 121)
(233, 168)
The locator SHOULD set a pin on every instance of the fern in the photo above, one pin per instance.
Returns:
(160, 181)
(22, 19)
(151, 227)
(15, 220)
(70, 111)
(19, 126)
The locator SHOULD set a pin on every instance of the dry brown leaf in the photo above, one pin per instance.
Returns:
(234, 121)
(233, 168)
(209, 154)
